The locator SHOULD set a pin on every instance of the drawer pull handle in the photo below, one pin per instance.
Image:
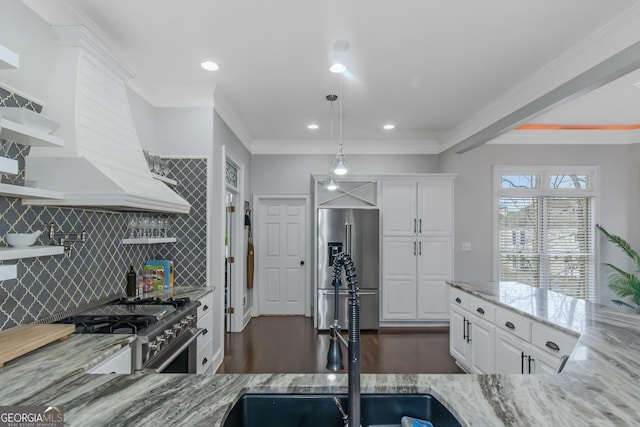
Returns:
(205, 308)
(204, 361)
(480, 310)
(553, 346)
(458, 300)
(510, 325)
(205, 332)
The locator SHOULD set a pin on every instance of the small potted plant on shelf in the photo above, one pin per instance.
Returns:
(624, 284)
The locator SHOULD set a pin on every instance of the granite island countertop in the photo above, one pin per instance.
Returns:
(598, 387)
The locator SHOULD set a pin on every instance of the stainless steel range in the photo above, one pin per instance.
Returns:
(165, 328)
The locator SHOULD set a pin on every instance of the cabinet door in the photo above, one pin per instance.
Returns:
(509, 350)
(482, 346)
(434, 268)
(458, 346)
(435, 208)
(433, 300)
(398, 278)
(543, 363)
(399, 208)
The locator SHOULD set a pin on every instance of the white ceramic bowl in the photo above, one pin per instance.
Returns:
(21, 240)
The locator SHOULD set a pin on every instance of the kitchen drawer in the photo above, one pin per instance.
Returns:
(205, 357)
(459, 298)
(514, 323)
(552, 341)
(206, 305)
(205, 323)
(482, 308)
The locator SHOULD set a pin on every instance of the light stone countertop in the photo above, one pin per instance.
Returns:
(598, 387)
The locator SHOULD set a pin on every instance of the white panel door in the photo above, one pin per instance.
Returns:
(399, 208)
(281, 254)
(398, 278)
(435, 208)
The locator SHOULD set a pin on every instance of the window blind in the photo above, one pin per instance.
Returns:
(548, 241)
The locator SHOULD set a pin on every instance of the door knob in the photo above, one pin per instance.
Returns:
(301, 262)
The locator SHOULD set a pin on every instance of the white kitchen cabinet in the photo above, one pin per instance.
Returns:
(399, 278)
(516, 356)
(418, 207)
(417, 248)
(458, 343)
(205, 340)
(487, 338)
(434, 263)
(414, 274)
(119, 363)
(471, 341)
(511, 354)
(481, 335)
(399, 208)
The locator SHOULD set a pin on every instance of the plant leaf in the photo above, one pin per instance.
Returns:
(617, 301)
(622, 244)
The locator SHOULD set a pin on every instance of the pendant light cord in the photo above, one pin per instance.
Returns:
(340, 118)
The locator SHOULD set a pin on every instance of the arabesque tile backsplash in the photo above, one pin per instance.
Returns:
(96, 269)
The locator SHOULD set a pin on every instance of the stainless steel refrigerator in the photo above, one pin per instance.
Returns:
(354, 231)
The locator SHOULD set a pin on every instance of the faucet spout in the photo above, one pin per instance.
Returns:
(334, 358)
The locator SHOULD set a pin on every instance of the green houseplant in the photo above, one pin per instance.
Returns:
(624, 284)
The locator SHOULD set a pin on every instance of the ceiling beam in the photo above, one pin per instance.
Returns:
(605, 72)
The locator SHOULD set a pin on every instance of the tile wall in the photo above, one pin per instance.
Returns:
(95, 269)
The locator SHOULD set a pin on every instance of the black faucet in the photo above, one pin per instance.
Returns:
(334, 357)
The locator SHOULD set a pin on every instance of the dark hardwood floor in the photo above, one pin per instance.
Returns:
(290, 344)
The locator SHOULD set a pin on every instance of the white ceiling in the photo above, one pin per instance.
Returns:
(429, 67)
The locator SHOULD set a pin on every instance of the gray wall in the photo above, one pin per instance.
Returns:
(223, 135)
(28, 35)
(289, 174)
(474, 195)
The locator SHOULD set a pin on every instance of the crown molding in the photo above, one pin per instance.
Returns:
(307, 146)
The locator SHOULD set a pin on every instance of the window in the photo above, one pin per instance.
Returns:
(546, 228)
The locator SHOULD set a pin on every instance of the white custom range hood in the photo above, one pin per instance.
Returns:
(101, 165)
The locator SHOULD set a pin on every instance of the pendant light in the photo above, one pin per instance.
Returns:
(331, 184)
(340, 165)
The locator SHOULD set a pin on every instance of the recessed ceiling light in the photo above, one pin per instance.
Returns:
(337, 68)
(210, 66)
(313, 126)
(636, 85)
(388, 127)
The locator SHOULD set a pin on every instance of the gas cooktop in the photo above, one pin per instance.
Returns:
(127, 315)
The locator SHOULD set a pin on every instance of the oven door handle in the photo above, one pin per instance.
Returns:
(176, 353)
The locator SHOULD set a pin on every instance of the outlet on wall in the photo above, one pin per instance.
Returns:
(466, 246)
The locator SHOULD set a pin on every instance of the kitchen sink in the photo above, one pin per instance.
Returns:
(319, 410)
